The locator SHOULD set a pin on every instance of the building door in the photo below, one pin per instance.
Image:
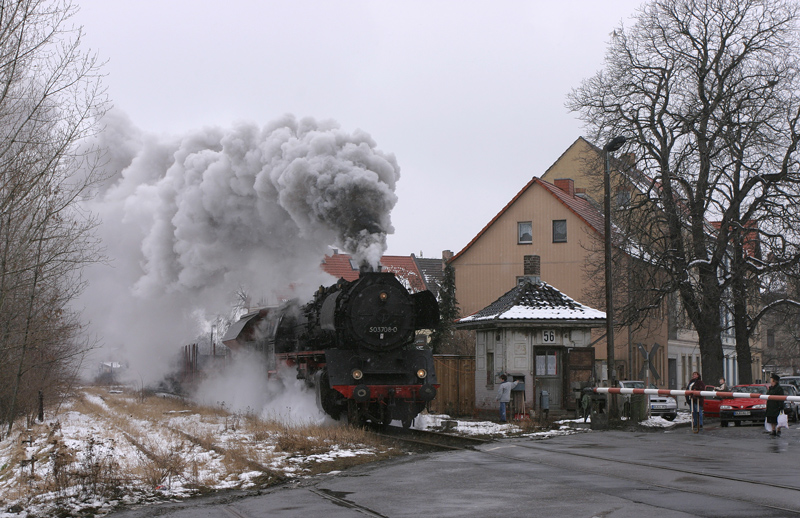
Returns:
(578, 363)
(548, 370)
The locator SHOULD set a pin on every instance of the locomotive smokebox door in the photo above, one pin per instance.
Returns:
(380, 315)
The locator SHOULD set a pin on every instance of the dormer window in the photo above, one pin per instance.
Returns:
(525, 232)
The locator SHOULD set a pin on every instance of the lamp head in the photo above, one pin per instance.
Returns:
(615, 143)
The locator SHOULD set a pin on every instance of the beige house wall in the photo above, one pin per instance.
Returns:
(490, 267)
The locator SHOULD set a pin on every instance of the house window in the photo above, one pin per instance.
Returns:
(623, 199)
(525, 232)
(546, 364)
(559, 231)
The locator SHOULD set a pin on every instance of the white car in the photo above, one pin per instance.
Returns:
(663, 406)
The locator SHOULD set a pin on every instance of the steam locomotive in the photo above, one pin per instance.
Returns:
(354, 344)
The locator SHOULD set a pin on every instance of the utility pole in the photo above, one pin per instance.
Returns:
(613, 145)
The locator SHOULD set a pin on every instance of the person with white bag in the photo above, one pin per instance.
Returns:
(774, 407)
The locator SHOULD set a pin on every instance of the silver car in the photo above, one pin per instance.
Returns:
(661, 406)
(790, 408)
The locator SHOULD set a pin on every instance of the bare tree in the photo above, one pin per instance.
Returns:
(706, 92)
(51, 98)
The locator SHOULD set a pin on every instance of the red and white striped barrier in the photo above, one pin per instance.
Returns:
(694, 393)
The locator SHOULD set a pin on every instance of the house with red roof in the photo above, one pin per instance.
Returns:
(558, 218)
(342, 266)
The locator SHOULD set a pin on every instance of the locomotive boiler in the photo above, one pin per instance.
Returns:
(354, 343)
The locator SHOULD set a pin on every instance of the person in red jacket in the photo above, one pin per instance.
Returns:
(696, 402)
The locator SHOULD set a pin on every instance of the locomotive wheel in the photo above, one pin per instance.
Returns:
(407, 422)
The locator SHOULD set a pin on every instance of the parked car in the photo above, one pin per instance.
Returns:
(739, 410)
(663, 406)
(711, 406)
(791, 408)
(792, 380)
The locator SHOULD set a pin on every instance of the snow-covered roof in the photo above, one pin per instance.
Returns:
(534, 303)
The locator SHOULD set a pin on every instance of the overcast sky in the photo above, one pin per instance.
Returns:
(469, 96)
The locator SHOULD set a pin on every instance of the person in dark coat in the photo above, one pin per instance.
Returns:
(774, 407)
(696, 402)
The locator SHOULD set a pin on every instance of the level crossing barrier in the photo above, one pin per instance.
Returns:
(692, 393)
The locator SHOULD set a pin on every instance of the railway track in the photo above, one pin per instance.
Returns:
(427, 440)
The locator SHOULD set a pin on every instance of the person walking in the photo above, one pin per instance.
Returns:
(774, 407)
(504, 395)
(696, 402)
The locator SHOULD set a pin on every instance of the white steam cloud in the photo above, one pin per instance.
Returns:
(245, 388)
(187, 221)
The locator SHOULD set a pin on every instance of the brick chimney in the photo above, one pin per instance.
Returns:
(532, 268)
(567, 185)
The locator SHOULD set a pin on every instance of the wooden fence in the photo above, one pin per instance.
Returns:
(456, 376)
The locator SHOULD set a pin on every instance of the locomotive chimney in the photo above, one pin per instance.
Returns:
(367, 268)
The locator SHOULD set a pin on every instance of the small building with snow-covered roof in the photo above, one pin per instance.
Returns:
(538, 336)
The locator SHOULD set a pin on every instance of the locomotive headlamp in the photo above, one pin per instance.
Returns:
(383, 296)
(357, 374)
(422, 373)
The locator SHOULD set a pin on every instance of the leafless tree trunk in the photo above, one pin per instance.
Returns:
(706, 92)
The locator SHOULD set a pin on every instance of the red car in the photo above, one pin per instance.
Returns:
(742, 409)
(711, 406)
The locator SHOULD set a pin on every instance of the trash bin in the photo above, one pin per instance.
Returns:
(544, 400)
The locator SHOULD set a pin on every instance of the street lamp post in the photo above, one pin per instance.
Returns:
(613, 145)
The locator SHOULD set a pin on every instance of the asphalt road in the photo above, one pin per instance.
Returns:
(720, 472)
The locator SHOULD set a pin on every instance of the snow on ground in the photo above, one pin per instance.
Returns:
(107, 449)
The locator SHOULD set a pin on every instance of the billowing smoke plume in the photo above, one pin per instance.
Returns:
(188, 221)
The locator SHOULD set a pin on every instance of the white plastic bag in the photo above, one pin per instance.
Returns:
(783, 421)
(767, 426)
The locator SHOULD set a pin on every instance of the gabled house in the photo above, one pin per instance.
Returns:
(554, 221)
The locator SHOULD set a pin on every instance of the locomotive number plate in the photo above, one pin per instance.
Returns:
(381, 329)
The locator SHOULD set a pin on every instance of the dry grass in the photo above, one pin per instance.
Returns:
(161, 464)
(202, 453)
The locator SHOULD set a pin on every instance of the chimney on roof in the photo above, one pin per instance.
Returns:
(567, 185)
(532, 269)
(447, 255)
